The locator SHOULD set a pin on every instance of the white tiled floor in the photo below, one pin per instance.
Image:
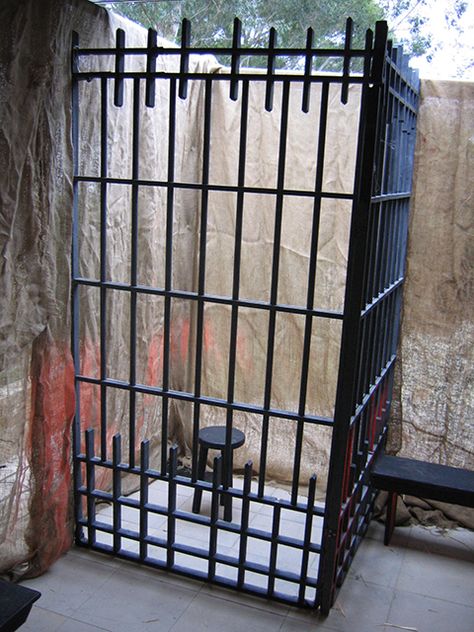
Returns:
(423, 581)
(292, 525)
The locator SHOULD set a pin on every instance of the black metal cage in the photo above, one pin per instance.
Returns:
(326, 535)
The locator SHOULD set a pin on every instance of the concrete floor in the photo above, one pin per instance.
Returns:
(423, 582)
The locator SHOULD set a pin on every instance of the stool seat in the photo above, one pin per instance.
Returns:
(213, 437)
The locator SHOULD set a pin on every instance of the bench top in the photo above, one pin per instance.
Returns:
(15, 604)
(419, 478)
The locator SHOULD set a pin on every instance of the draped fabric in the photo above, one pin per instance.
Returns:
(433, 398)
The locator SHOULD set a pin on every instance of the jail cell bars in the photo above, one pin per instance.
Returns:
(372, 311)
(289, 547)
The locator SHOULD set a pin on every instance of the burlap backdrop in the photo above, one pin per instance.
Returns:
(36, 395)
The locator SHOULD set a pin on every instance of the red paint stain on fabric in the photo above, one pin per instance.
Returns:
(154, 369)
(48, 444)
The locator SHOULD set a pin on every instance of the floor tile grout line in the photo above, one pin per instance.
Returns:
(68, 618)
(185, 610)
(92, 626)
(434, 598)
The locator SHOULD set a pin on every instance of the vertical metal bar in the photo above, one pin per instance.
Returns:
(103, 269)
(150, 87)
(202, 266)
(274, 283)
(171, 507)
(273, 549)
(367, 139)
(236, 274)
(270, 70)
(308, 527)
(144, 466)
(133, 269)
(310, 290)
(75, 330)
(168, 272)
(119, 68)
(184, 58)
(244, 523)
(235, 63)
(378, 58)
(216, 481)
(347, 61)
(90, 486)
(116, 490)
(308, 66)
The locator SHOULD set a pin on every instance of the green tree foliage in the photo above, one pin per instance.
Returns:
(410, 19)
(212, 21)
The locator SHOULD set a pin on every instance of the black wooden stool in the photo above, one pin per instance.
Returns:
(213, 438)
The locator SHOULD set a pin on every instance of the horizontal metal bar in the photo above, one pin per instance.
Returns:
(203, 554)
(388, 197)
(402, 100)
(203, 76)
(210, 298)
(221, 403)
(255, 52)
(382, 296)
(361, 407)
(162, 510)
(403, 76)
(222, 188)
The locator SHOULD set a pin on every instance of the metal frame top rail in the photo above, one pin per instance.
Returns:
(345, 75)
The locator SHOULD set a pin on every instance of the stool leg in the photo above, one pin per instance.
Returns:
(390, 518)
(202, 460)
(228, 483)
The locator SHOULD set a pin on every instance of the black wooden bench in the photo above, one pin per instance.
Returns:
(398, 475)
(15, 605)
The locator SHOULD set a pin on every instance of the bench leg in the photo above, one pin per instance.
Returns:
(390, 518)
(202, 460)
